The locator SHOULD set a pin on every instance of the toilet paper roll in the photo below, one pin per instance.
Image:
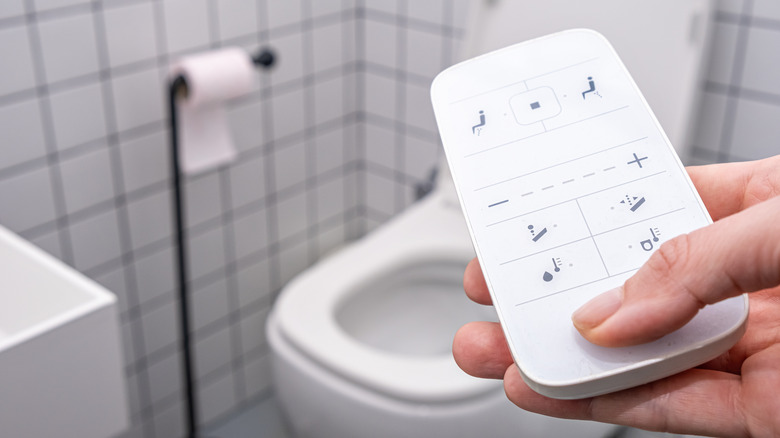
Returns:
(212, 79)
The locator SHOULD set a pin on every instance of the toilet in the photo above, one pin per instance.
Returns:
(361, 341)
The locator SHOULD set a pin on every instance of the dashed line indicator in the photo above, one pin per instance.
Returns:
(609, 168)
(526, 194)
(568, 181)
(548, 187)
(499, 203)
(590, 174)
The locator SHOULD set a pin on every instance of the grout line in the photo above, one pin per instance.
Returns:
(737, 68)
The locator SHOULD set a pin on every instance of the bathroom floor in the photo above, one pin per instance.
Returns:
(264, 419)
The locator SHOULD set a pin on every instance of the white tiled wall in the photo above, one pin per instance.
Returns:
(84, 173)
(332, 143)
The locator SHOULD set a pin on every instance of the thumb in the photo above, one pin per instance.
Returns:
(740, 253)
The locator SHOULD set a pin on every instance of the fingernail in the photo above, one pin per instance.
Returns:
(597, 310)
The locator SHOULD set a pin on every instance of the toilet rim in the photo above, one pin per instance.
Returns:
(322, 339)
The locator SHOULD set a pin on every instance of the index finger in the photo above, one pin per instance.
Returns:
(732, 187)
(474, 283)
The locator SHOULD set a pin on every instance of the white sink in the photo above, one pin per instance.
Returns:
(61, 368)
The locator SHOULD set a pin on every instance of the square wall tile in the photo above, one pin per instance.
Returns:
(206, 253)
(292, 261)
(95, 240)
(78, 116)
(386, 6)
(21, 133)
(328, 47)
(209, 304)
(420, 157)
(329, 150)
(329, 100)
(253, 283)
(150, 219)
(165, 377)
(131, 33)
(257, 375)
(49, 242)
(381, 43)
(380, 194)
(43, 5)
(380, 145)
(289, 63)
(161, 327)
(431, 11)
(247, 181)
(761, 8)
(288, 109)
(380, 95)
(330, 198)
(330, 239)
(18, 73)
(237, 18)
(68, 47)
(246, 126)
(756, 131)
(251, 233)
(212, 352)
(424, 52)
(253, 331)
(154, 275)
(419, 111)
(27, 200)
(202, 198)
(138, 99)
(326, 7)
(284, 13)
(289, 166)
(87, 180)
(217, 398)
(186, 24)
(709, 126)
(761, 68)
(11, 8)
(722, 49)
(292, 217)
(145, 161)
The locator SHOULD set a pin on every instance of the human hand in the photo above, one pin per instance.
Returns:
(735, 394)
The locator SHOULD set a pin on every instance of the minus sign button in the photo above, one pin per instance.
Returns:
(498, 203)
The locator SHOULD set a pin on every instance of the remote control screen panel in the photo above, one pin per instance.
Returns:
(566, 178)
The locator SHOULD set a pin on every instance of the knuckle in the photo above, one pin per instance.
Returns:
(670, 257)
(669, 266)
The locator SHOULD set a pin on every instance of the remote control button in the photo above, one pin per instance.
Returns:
(535, 232)
(627, 248)
(550, 272)
(535, 105)
(632, 203)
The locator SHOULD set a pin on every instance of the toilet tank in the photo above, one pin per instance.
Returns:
(663, 43)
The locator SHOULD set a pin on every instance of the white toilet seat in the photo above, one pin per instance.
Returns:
(440, 236)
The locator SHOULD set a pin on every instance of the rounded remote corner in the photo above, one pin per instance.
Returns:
(637, 376)
(439, 81)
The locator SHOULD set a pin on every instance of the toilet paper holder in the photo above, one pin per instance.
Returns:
(178, 86)
(177, 89)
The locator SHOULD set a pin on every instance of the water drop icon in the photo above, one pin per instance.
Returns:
(547, 276)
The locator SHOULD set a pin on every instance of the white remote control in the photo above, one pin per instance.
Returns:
(568, 184)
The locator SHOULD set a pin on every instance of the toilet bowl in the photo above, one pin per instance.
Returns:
(361, 341)
(366, 351)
